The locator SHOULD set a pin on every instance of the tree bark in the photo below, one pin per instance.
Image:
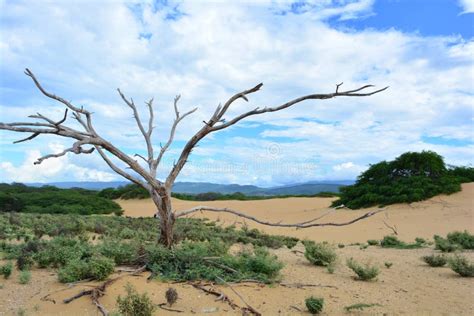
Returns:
(162, 199)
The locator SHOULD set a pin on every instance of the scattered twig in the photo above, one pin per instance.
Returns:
(249, 307)
(302, 285)
(163, 306)
(296, 308)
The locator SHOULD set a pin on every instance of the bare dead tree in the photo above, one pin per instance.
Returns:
(146, 177)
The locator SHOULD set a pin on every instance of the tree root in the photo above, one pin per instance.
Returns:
(99, 291)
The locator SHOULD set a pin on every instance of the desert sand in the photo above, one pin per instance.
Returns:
(409, 287)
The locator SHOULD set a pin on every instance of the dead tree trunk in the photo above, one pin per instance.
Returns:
(145, 174)
(162, 200)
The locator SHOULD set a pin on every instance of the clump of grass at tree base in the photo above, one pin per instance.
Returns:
(319, 254)
(364, 272)
(6, 270)
(314, 304)
(462, 266)
(210, 261)
(394, 242)
(134, 304)
(435, 260)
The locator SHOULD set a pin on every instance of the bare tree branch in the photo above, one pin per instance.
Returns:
(146, 135)
(305, 224)
(217, 117)
(178, 118)
(76, 148)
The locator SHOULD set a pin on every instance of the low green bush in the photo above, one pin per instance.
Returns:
(97, 268)
(6, 270)
(320, 254)
(394, 242)
(364, 272)
(445, 245)
(210, 261)
(462, 266)
(314, 304)
(24, 277)
(463, 239)
(435, 260)
(373, 242)
(134, 304)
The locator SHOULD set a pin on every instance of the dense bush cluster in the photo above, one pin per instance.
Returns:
(409, 178)
(84, 247)
(47, 199)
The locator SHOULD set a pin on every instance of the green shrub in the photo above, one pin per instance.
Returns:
(97, 268)
(373, 242)
(462, 266)
(210, 261)
(122, 253)
(445, 245)
(75, 270)
(320, 254)
(134, 304)
(364, 272)
(6, 270)
(411, 177)
(464, 239)
(394, 242)
(314, 304)
(24, 262)
(24, 277)
(435, 260)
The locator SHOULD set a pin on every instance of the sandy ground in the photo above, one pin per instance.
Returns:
(409, 287)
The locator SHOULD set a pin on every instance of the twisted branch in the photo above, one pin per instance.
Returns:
(305, 224)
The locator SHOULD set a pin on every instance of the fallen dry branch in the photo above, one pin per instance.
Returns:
(249, 307)
(99, 291)
(223, 297)
(306, 224)
(303, 285)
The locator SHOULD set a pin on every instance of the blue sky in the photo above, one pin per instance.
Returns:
(206, 51)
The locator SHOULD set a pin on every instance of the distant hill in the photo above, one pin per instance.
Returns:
(308, 188)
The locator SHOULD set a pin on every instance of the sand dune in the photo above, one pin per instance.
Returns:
(438, 215)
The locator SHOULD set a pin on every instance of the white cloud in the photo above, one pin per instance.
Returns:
(217, 49)
(467, 6)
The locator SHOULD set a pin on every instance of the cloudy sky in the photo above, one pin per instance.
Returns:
(206, 51)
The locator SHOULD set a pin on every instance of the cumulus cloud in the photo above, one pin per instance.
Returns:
(207, 53)
(467, 6)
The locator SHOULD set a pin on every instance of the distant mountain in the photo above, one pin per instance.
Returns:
(307, 188)
(90, 185)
